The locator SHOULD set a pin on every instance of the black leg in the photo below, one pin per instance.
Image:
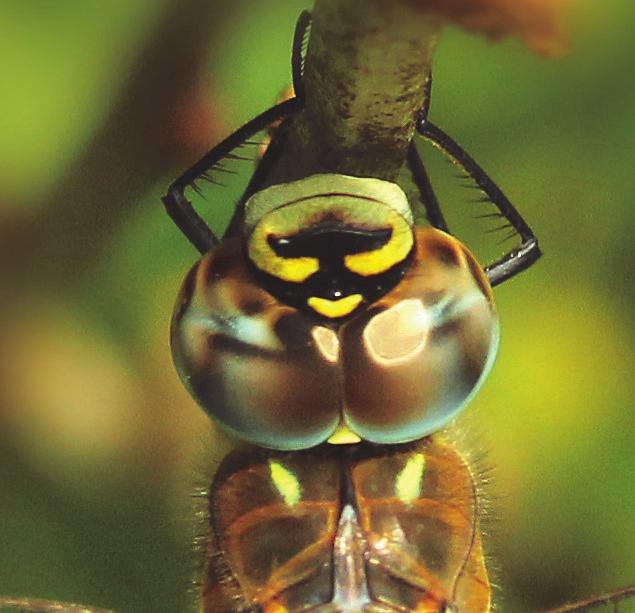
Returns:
(278, 135)
(180, 209)
(426, 192)
(517, 259)
(297, 57)
(257, 180)
(419, 173)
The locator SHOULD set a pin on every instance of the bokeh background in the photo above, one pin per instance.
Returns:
(103, 103)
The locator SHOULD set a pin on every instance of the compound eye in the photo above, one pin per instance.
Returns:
(415, 358)
(258, 367)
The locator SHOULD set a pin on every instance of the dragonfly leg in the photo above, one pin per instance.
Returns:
(180, 209)
(419, 173)
(297, 55)
(519, 258)
(426, 191)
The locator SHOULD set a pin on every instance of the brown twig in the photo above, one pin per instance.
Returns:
(366, 67)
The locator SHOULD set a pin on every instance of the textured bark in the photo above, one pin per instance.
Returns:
(366, 67)
(365, 71)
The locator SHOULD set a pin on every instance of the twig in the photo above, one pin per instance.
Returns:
(366, 67)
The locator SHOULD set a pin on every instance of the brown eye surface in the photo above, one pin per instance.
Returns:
(396, 372)
(255, 365)
(413, 360)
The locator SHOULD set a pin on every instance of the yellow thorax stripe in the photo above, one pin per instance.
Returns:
(286, 483)
(409, 481)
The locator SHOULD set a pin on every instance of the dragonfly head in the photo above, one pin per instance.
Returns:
(329, 244)
(332, 317)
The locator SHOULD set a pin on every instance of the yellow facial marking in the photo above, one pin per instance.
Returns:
(284, 210)
(286, 483)
(335, 308)
(380, 260)
(294, 270)
(409, 480)
(343, 436)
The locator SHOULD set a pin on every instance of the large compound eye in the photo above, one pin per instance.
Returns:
(414, 359)
(259, 368)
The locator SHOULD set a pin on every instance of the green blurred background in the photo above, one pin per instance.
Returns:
(103, 103)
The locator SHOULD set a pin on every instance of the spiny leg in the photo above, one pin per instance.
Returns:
(426, 191)
(420, 175)
(297, 56)
(278, 135)
(613, 598)
(180, 209)
(517, 259)
(37, 605)
(266, 163)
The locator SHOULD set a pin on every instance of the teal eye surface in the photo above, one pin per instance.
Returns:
(395, 371)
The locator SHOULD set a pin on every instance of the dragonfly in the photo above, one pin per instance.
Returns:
(337, 340)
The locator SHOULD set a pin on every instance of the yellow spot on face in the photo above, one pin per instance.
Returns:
(343, 436)
(286, 483)
(335, 308)
(409, 480)
(285, 210)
